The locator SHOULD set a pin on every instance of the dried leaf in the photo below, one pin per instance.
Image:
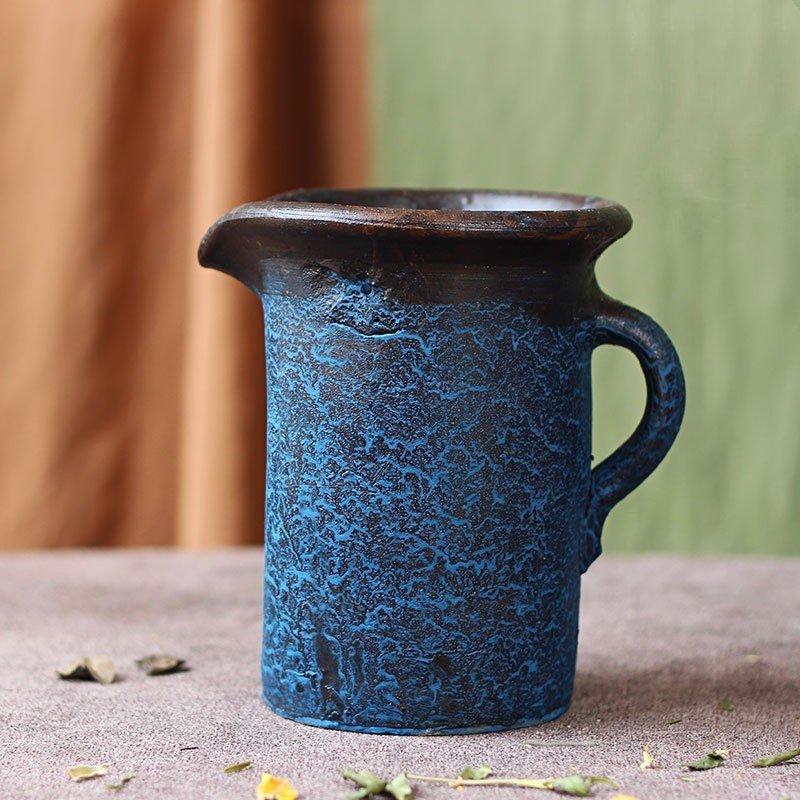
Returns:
(725, 705)
(776, 758)
(237, 767)
(370, 783)
(398, 788)
(688, 778)
(162, 664)
(274, 788)
(115, 787)
(752, 658)
(476, 773)
(84, 772)
(647, 758)
(671, 722)
(579, 785)
(92, 668)
(712, 760)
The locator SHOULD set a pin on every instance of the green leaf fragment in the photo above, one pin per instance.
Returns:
(712, 760)
(237, 767)
(115, 787)
(398, 788)
(476, 773)
(91, 668)
(671, 722)
(84, 772)
(579, 785)
(162, 664)
(369, 782)
(725, 705)
(776, 758)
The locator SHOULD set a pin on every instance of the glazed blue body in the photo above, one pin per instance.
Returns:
(430, 501)
(428, 472)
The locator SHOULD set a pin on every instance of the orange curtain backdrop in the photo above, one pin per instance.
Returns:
(131, 388)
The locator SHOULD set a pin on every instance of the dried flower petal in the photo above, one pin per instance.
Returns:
(237, 767)
(776, 758)
(274, 788)
(84, 772)
(162, 664)
(647, 758)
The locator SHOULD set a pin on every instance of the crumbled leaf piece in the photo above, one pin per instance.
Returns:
(725, 705)
(476, 773)
(647, 758)
(624, 797)
(237, 767)
(776, 758)
(671, 722)
(84, 772)
(162, 665)
(92, 668)
(274, 788)
(688, 778)
(370, 783)
(398, 788)
(712, 760)
(579, 785)
(115, 787)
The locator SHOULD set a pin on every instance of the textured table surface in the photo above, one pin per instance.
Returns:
(662, 638)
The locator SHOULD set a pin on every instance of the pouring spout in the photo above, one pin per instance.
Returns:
(233, 245)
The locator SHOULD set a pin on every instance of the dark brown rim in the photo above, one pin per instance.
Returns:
(428, 211)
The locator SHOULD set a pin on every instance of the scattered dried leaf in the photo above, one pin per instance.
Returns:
(476, 773)
(237, 767)
(84, 772)
(160, 664)
(647, 758)
(776, 758)
(274, 788)
(579, 785)
(711, 760)
(91, 668)
(725, 705)
(115, 787)
(671, 722)
(369, 782)
(688, 778)
(398, 788)
(752, 658)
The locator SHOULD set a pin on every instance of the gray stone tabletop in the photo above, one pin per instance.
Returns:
(662, 639)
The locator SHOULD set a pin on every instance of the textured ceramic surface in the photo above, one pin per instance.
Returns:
(430, 505)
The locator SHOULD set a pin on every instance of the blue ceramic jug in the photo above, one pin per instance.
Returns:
(430, 504)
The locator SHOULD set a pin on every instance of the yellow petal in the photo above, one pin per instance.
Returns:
(274, 788)
(83, 772)
(647, 758)
(624, 797)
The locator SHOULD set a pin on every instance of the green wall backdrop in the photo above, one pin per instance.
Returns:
(688, 113)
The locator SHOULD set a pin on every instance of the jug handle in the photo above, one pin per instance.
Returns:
(620, 473)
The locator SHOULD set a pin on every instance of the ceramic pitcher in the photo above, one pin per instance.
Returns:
(430, 502)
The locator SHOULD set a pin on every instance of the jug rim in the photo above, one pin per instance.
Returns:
(494, 213)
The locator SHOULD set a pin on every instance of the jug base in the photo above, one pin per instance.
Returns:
(443, 730)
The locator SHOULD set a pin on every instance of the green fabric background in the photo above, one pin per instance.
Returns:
(688, 113)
